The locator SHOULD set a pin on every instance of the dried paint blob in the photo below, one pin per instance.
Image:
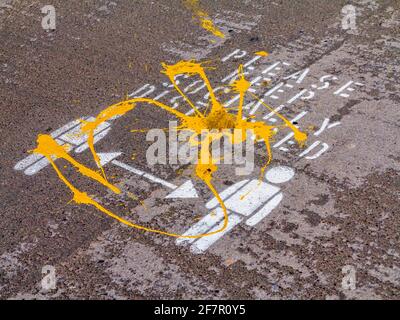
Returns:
(279, 174)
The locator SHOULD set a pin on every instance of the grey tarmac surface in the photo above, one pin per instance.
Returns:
(340, 209)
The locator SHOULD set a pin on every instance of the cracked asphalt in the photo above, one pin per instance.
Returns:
(339, 212)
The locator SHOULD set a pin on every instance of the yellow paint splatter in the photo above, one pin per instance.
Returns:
(265, 83)
(203, 17)
(215, 120)
(261, 53)
(311, 128)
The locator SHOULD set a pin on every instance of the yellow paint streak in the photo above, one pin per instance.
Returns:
(203, 17)
(49, 148)
(261, 53)
(214, 121)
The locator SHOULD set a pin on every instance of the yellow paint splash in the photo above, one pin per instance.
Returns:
(215, 120)
(203, 17)
(261, 53)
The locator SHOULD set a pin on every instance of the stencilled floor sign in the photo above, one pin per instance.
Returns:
(261, 199)
(266, 195)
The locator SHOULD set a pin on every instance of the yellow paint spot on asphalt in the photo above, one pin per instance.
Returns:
(261, 53)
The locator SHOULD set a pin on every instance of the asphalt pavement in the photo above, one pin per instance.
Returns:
(331, 220)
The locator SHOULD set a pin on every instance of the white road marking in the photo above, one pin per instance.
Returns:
(76, 137)
(283, 140)
(144, 174)
(243, 199)
(313, 146)
(31, 159)
(272, 113)
(202, 226)
(226, 193)
(186, 190)
(279, 174)
(65, 128)
(204, 243)
(70, 134)
(43, 162)
(255, 192)
(106, 157)
(129, 168)
(27, 161)
(96, 139)
(266, 210)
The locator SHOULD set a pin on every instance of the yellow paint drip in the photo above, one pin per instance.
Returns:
(203, 17)
(261, 53)
(214, 121)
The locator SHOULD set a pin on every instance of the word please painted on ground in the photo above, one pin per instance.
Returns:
(271, 72)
